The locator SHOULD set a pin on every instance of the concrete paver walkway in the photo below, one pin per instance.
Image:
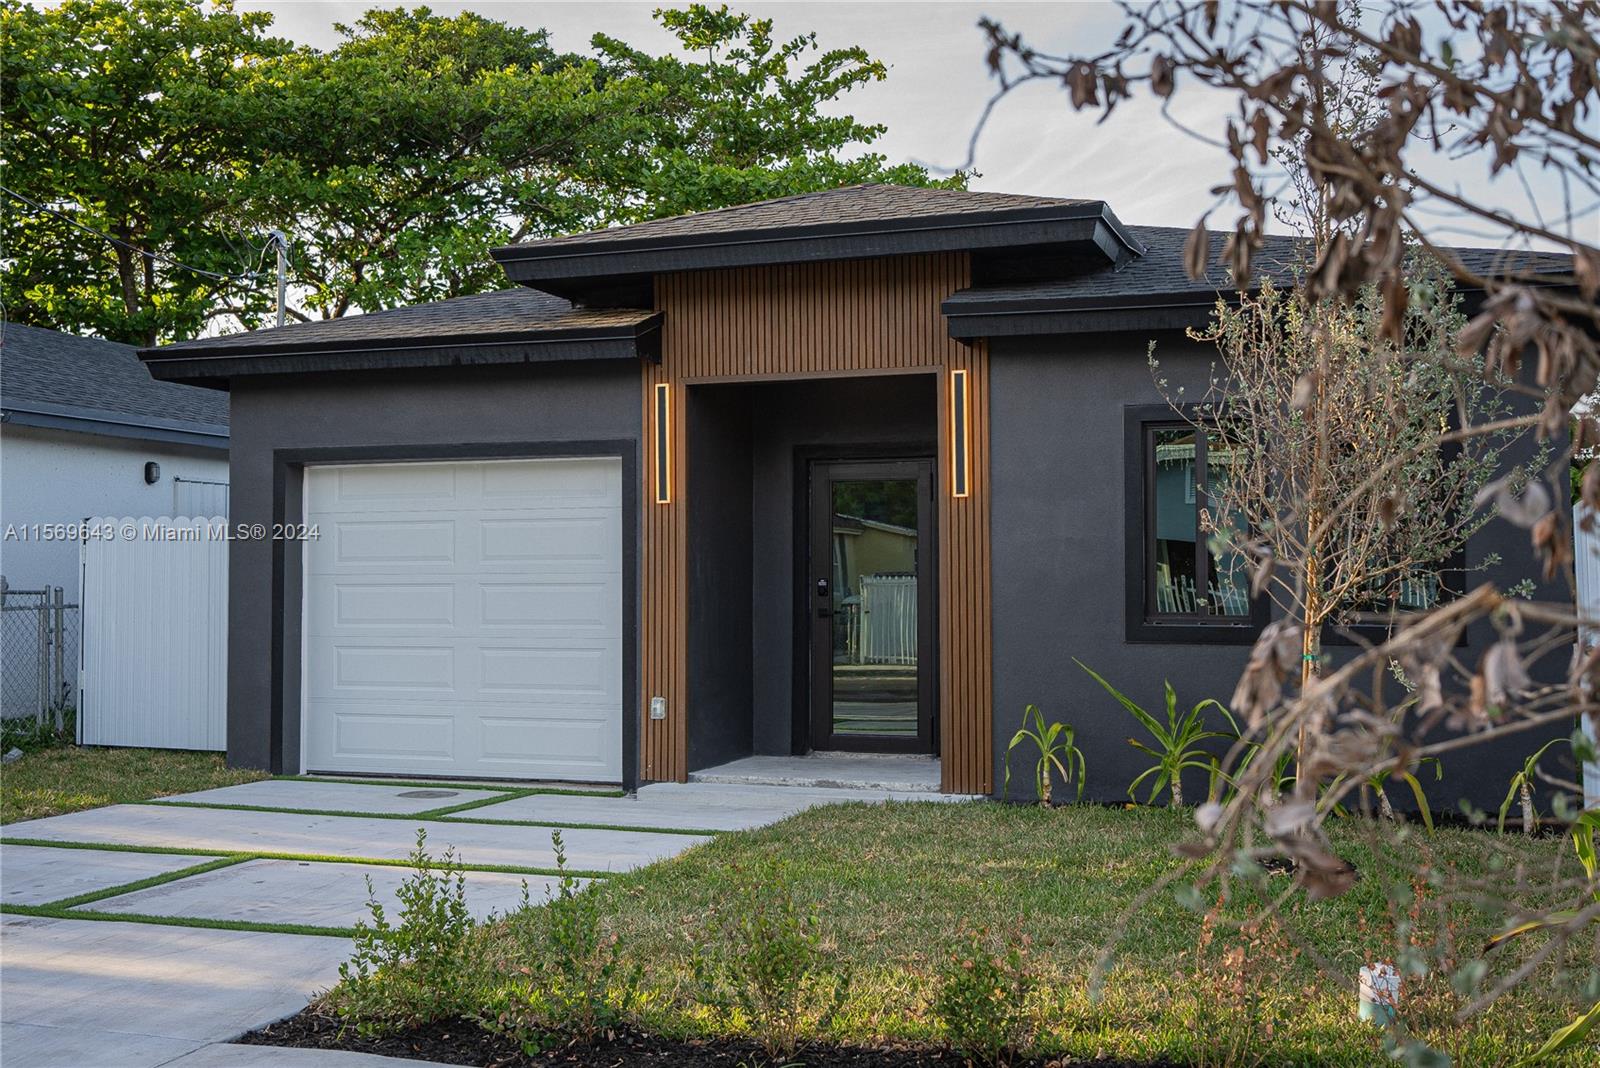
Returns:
(103, 993)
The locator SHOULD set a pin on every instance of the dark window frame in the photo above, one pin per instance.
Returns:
(1140, 422)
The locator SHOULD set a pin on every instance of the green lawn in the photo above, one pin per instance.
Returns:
(48, 782)
(893, 886)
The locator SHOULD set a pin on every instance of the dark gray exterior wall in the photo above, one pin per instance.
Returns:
(719, 661)
(550, 409)
(1060, 537)
(747, 671)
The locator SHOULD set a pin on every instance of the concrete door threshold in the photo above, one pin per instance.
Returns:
(900, 772)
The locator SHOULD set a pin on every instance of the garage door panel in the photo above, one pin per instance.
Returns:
(383, 603)
(370, 487)
(551, 484)
(554, 542)
(546, 742)
(387, 543)
(546, 675)
(428, 734)
(577, 606)
(465, 619)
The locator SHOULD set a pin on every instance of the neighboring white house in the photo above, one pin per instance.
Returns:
(87, 432)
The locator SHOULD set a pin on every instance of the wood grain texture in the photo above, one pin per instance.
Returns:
(810, 321)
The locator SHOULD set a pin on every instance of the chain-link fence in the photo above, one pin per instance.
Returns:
(39, 635)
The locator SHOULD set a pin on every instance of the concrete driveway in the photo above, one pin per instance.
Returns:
(151, 934)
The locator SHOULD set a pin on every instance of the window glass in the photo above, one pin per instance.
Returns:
(1227, 575)
(1173, 497)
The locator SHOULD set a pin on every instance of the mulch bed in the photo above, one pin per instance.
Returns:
(463, 1042)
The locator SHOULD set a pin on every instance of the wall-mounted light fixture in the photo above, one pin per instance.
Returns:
(960, 436)
(152, 473)
(663, 445)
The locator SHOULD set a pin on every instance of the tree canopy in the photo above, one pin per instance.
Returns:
(393, 161)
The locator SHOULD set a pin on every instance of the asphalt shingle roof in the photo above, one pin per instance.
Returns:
(500, 315)
(66, 371)
(855, 204)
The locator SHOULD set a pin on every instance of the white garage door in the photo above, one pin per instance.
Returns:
(465, 619)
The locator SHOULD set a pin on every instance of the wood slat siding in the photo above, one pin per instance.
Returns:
(804, 321)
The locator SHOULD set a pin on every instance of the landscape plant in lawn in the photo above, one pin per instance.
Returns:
(413, 971)
(1058, 753)
(982, 998)
(1522, 785)
(1177, 747)
(573, 976)
(766, 966)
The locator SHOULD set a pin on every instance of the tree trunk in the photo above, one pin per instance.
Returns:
(1177, 790)
(1385, 809)
(1529, 818)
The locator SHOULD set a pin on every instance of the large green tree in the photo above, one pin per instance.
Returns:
(746, 122)
(129, 118)
(393, 161)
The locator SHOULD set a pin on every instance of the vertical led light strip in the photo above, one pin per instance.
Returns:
(960, 436)
(663, 446)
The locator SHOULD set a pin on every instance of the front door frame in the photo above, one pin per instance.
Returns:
(813, 674)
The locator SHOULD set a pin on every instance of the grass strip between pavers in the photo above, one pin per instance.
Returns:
(145, 883)
(54, 912)
(560, 791)
(308, 858)
(559, 825)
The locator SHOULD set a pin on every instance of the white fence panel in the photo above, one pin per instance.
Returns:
(153, 663)
(1586, 564)
(888, 619)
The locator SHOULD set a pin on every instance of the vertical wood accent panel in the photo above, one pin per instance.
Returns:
(816, 320)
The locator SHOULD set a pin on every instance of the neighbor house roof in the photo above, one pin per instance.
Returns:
(853, 222)
(1154, 290)
(66, 382)
(517, 325)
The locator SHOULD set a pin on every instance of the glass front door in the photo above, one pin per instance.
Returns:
(871, 611)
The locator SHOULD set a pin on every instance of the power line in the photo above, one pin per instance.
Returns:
(157, 257)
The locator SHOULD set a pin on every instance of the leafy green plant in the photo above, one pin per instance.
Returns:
(770, 968)
(575, 982)
(410, 972)
(1058, 752)
(1177, 742)
(982, 999)
(1522, 784)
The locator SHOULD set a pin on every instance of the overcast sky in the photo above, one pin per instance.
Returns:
(1147, 170)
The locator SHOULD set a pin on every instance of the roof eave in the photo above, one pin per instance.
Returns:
(214, 367)
(114, 424)
(548, 266)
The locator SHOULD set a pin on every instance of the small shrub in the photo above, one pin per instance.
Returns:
(981, 1002)
(770, 967)
(575, 982)
(1238, 990)
(413, 971)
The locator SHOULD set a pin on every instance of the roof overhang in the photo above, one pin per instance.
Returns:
(620, 269)
(973, 314)
(214, 366)
(977, 313)
(114, 424)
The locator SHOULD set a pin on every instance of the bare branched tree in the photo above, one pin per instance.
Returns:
(1338, 111)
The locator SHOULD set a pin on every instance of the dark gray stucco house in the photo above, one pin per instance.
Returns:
(862, 469)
